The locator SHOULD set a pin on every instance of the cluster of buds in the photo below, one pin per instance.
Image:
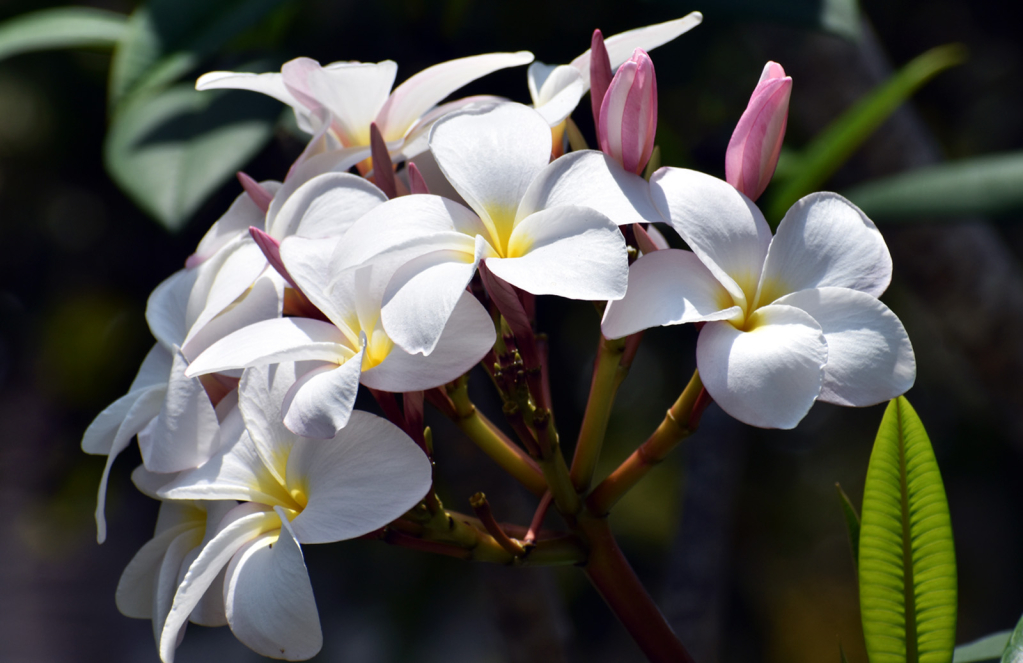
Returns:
(401, 279)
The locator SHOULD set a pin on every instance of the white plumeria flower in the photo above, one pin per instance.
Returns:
(497, 160)
(297, 491)
(357, 93)
(172, 414)
(789, 319)
(557, 89)
(147, 586)
(352, 347)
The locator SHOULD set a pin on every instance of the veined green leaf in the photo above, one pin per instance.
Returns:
(988, 648)
(984, 185)
(841, 17)
(60, 27)
(168, 38)
(1014, 650)
(170, 149)
(907, 563)
(852, 522)
(833, 146)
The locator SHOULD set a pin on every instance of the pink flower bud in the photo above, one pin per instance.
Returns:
(628, 116)
(753, 151)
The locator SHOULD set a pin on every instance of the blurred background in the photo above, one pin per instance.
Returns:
(739, 536)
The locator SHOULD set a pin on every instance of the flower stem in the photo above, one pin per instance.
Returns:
(494, 443)
(679, 422)
(614, 579)
(603, 387)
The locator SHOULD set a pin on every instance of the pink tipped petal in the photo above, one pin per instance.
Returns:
(468, 335)
(320, 402)
(413, 98)
(756, 142)
(870, 358)
(723, 227)
(260, 196)
(364, 478)
(768, 376)
(649, 239)
(271, 248)
(771, 70)
(415, 179)
(269, 598)
(621, 46)
(628, 115)
(825, 240)
(670, 287)
(600, 74)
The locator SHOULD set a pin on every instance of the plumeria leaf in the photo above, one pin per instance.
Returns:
(907, 563)
(833, 146)
(852, 522)
(1014, 650)
(60, 27)
(165, 39)
(171, 149)
(840, 17)
(984, 185)
(988, 648)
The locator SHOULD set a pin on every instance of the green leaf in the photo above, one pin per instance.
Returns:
(841, 654)
(907, 559)
(988, 648)
(61, 27)
(1014, 650)
(166, 39)
(170, 149)
(833, 146)
(852, 522)
(841, 17)
(984, 185)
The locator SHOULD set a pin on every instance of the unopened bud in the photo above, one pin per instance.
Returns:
(753, 151)
(628, 116)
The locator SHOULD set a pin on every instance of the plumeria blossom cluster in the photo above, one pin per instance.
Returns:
(362, 269)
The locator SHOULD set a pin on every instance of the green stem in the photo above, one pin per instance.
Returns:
(679, 422)
(494, 443)
(618, 585)
(603, 388)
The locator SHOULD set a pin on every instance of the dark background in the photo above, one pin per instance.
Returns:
(739, 536)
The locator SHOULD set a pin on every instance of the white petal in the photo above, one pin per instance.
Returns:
(870, 358)
(353, 91)
(370, 474)
(311, 264)
(136, 589)
(824, 240)
(236, 221)
(468, 335)
(145, 406)
(270, 84)
(667, 287)
(418, 94)
(244, 523)
(167, 306)
(180, 553)
(559, 93)
(221, 280)
(620, 46)
(325, 206)
(184, 434)
(592, 179)
(723, 227)
(272, 341)
(404, 221)
(269, 598)
(262, 300)
(768, 376)
(423, 293)
(235, 472)
(154, 369)
(319, 403)
(489, 170)
(262, 392)
(417, 140)
(573, 252)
